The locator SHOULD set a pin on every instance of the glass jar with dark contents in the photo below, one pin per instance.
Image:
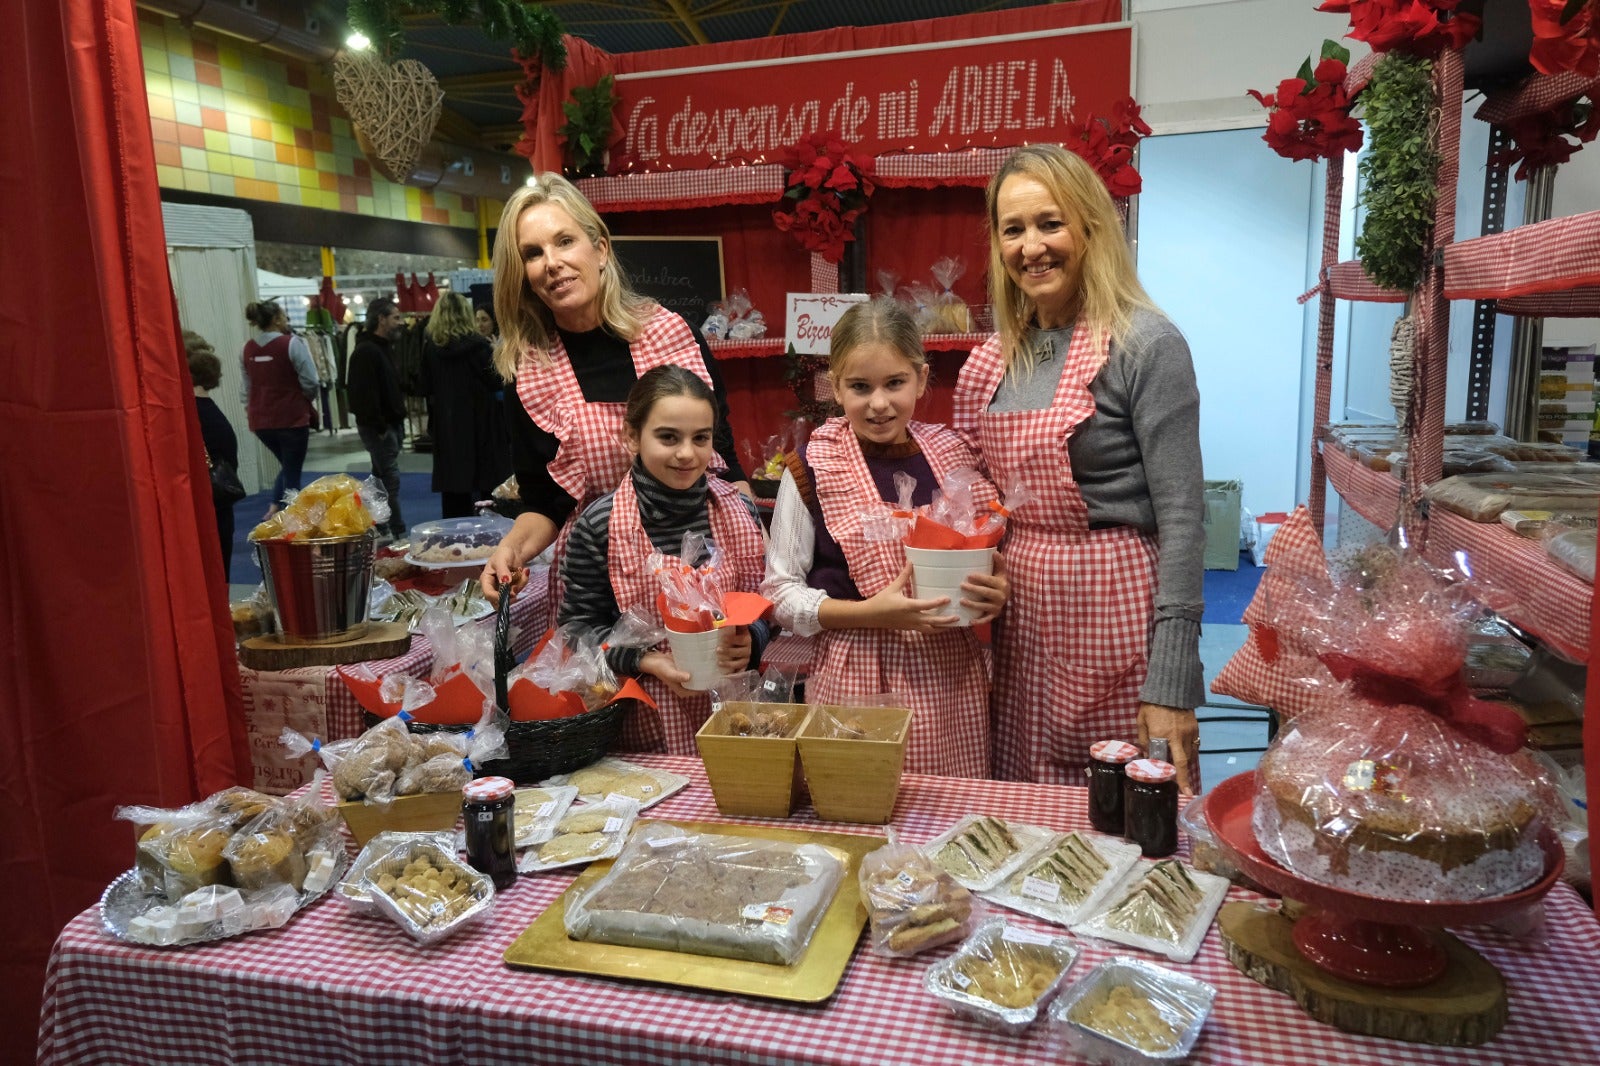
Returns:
(1107, 761)
(1150, 807)
(486, 810)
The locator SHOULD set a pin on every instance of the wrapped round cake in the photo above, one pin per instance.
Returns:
(1391, 801)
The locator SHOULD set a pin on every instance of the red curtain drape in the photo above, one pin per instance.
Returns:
(117, 677)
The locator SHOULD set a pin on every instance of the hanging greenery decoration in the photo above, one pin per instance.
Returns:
(1398, 171)
(587, 130)
(531, 28)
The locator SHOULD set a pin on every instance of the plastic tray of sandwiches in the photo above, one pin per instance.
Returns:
(618, 777)
(1003, 975)
(1165, 907)
(1127, 1011)
(1066, 879)
(581, 835)
(417, 881)
(981, 852)
(233, 863)
(710, 894)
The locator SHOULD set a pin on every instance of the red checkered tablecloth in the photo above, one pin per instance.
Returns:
(1535, 96)
(313, 701)
(1541, 257)
(335, 987)
(1552, 603)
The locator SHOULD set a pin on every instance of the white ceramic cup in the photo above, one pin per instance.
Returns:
(696, 654)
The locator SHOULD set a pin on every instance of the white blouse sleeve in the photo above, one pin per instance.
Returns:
(789, 555)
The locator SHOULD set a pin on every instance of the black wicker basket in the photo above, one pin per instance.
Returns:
(543, 748)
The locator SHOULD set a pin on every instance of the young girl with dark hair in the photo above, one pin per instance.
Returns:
(669, 424)
(827, 580)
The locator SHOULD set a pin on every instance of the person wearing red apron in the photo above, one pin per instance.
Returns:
(574, 338)
(827, 578)
(609, 564)
(278, 382)
(1087, 394)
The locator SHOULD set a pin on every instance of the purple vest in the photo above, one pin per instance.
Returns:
(829, 570)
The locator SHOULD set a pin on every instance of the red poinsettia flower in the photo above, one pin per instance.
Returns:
(1107, 144)
(1542, 140)
(1311, 116)
(827, 191)
(1408, 25)
(1570, 45)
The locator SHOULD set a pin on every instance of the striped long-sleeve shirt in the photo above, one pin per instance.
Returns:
(667, 514)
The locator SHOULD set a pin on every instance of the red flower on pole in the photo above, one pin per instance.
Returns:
(827, 191)
(1311, 113)
(1108, 144)
(1565, 37)
(1542, 140)
(1422, 27)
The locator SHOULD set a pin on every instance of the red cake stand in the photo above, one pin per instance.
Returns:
(1364, 939)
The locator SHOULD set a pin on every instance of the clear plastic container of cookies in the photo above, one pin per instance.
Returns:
(1003, 975)
(423, 888)
(981, 851)
(1127, 1012)
(617, 777)
(583, 835)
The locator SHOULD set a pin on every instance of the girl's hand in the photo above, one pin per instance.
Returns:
(1183, 740)
(733, 653)
(660, 665)
(987, 593)
(893, 609)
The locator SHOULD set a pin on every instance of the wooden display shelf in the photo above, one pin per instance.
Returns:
(1552, 604)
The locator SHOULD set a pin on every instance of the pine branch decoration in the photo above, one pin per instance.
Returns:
(531, 28)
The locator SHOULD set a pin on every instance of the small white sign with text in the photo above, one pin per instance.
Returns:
(812, 315)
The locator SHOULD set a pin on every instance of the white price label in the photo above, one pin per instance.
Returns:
(905, 879)
(1041, 888)
(770, 913)
(1025, 936)
(614, 825)
(661, 842)
(960, 978)
(544, 809)
(648, 790)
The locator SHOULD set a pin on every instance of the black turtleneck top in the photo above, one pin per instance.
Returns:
(667, 514)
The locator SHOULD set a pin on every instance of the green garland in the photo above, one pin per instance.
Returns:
(530, 27)
(1398, 172)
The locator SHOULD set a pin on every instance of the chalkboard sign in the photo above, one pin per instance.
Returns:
(683, 274)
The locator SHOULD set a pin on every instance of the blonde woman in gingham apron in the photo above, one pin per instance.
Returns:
(1087, 394)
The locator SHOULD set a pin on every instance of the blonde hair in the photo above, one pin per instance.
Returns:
(882, 320)
(526, 324)
(452, 317)
(1108, 282)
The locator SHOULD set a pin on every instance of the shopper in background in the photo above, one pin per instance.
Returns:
(1088, 395)
(220, 442)
(483, 317)
(574, 337)
(471, 454)
(278, 386)
(376, 402)
(825, 578)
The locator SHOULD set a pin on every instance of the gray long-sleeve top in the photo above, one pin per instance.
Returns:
(1137, 462)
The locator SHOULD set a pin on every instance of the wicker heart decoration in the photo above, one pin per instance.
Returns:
(393, 107)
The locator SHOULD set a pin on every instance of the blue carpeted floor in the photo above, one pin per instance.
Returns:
(1228, 592)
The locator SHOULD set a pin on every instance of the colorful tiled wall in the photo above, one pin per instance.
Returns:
(233, 119)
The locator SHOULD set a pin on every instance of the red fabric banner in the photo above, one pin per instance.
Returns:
(997, 91)
(117, 675)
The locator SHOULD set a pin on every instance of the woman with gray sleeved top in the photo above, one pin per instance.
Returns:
(1087, 394)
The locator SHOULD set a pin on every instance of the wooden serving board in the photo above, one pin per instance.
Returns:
(1463, 1008)
(382, 640)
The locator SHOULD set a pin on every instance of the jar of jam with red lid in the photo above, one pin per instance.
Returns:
(486, 811)
(1107, 760)
(1150, 807)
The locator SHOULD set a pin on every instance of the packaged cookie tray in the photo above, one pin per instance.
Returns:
(1061, 883)
(1128, 1012)
(537, 812)
(1164, 906)
(984, 851)
(618, 777)
(583, 835)
(1003, 975)
(426, 890)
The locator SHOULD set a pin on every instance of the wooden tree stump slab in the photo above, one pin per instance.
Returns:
(1463, 1008)
(382, 640)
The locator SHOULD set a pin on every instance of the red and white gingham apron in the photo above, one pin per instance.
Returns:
(592, 457)
(736, 532)
(1072, 646)
(943, 674)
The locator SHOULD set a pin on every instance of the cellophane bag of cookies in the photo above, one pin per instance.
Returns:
(1398, 782)
(912, 905)
(950, 312)
(334, 505)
